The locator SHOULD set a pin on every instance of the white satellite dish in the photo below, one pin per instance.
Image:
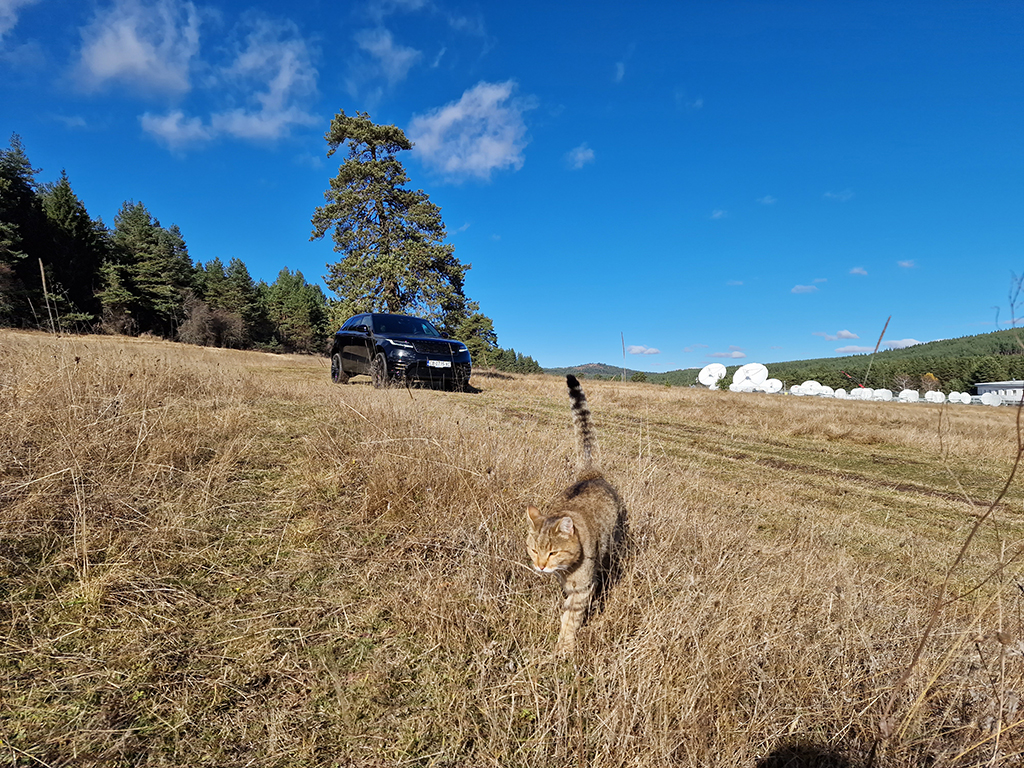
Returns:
(711, 374)
(754, 374)
(909, 396)
(840, 394)
(882, 395)
(991, 398)
(771, 386)
(810, 387)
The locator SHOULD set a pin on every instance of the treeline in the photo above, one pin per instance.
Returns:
(64, 270)
(60, 268)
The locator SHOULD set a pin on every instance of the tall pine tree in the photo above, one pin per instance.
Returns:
(391, 239)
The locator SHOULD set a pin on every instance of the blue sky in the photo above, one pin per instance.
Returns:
(733, 181)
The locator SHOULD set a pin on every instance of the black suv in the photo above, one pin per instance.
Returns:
(398, 348)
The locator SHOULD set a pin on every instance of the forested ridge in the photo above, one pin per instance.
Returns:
(64, 270)
(949, 365)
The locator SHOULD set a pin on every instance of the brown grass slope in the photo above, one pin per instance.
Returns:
(219, 558)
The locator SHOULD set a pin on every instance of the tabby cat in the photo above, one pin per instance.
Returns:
(578, 534)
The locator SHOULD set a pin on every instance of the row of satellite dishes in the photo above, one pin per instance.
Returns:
(753, 377)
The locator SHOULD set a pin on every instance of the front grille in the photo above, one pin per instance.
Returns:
(433, 347)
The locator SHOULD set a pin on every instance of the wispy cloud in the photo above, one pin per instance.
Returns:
(853, 350)
(9, 14)
(858, 271)
(381, 9)
(837, 336)
(580, 156)
(733, 282)
(908, 264)
(271, 75)
(767, 200)
(175, 129)
(718, 213)
(734, 353)
(71, 121)
(388, 59)
(620, 66)
(840, 197)
(482, 132)
(694, 347)
(149, 44)
(683, 101)
(804, 289)
(902, 343)
(820, 280)
(639, 349)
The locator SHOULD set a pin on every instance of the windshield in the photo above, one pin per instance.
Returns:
(406, 326)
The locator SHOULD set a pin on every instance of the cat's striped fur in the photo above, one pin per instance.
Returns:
(577, 535)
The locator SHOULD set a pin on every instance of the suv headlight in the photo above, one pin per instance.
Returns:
(403, 344)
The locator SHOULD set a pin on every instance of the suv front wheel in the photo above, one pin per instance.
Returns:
(379, 371)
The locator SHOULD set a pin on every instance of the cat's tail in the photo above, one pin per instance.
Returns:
(581, 418)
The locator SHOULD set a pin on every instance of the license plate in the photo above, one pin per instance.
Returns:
(439, 363)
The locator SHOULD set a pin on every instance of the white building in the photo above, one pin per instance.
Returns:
(1010, 391)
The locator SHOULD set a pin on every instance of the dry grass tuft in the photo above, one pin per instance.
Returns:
(219, 558)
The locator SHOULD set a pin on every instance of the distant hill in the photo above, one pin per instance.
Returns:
(956, 364)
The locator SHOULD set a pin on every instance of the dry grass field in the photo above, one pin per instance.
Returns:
(219, 558)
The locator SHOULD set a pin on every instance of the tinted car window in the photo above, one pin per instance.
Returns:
(411, 326)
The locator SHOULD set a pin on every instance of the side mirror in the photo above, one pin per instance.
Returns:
(362, 329)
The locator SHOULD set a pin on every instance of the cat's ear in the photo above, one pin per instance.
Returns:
(565, 526)
(533, 513)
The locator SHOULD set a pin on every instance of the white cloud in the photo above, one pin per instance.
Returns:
(481, 132)
(908, 264)
(9, 14)
(718, 213)
(853, 350)
(734, 353)
(275, 69)
(841, 197)
(836, 337)
(146, 43)
(694, 347)
(820, 280)
(639, 349)
(71, 121)
(767, 200)
(580, 156)
(902, 343)
(174, 129)
(858, 271)
(734, 282)
(620, 72)
(391, 60)
(804, 289)
(272, 76)
(683, 101)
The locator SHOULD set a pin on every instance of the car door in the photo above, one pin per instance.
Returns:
(352, 343)
(359, 344)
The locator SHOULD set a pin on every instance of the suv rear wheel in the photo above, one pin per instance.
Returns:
(338, 375)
